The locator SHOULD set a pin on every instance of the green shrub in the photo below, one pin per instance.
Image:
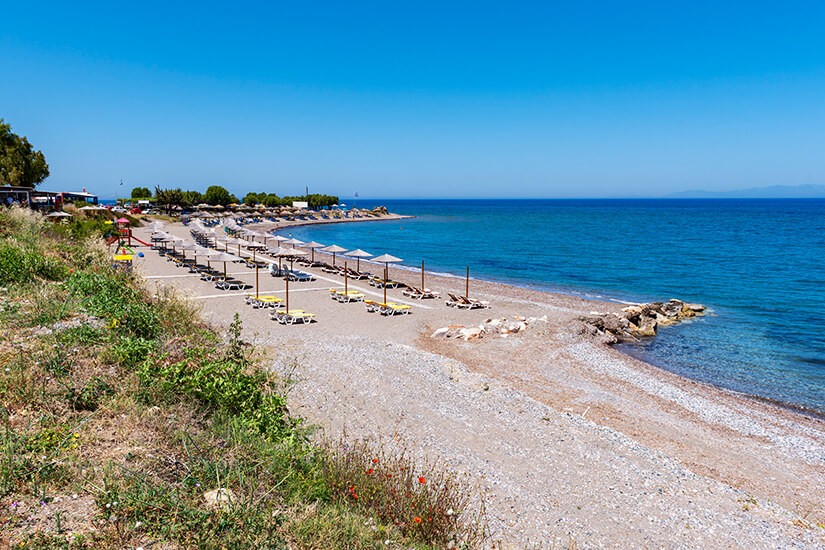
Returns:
(18, 265)
(90, 395)
(115, 298)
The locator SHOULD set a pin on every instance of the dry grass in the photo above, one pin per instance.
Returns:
(118, 412)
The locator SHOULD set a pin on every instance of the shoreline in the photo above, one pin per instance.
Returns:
(583, 386)
(582, 295)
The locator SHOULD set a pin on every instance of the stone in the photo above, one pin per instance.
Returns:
(219, 498)
(470, 333)
(440, 333)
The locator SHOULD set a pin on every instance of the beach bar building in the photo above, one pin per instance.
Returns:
(10, 194)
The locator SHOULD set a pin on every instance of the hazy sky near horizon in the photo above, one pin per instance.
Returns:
(425, 99)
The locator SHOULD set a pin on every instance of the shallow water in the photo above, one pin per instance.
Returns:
(758, 264)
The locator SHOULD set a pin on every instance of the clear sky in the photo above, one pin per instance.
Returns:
(419, 99)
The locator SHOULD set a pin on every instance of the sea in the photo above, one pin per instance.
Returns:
(757, 264)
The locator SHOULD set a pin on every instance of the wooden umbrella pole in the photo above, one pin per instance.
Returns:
(257, 283)
(422, 275)
(287, 293)
(386, 269)
(467, 284)
(345, 278)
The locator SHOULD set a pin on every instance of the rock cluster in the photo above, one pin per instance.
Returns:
(642, 320)
(502, 327)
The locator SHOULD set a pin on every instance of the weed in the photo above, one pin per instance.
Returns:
(90, 395)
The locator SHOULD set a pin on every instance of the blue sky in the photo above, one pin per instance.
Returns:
(481, 99)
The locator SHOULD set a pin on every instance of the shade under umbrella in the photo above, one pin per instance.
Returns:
(223, 257)
(386, 259)
(358, 254)
(334, 249)
(312, 245)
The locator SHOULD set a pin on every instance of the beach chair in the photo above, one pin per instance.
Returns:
(455, 301)
(300, 276)
(292, 316)
(473, 303)
(372, 306)
(350, 296)
(391, 308)
(419, 294)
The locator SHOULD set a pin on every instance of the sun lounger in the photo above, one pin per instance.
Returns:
(231, 284)
(351, 296)
(263, 301)
(292, 316)
(391, 308)
(300, 276)
(358, 275)
(326, 268)
(380, 283)
(419, 294)
(372, 305)
(467, 303)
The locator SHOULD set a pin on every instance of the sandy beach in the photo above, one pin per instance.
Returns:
(568, 439)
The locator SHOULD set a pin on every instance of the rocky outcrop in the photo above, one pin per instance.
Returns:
(500, 327)
(641, 320)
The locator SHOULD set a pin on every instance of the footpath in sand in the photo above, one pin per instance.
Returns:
(568, 439)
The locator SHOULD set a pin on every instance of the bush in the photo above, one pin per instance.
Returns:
(18, 266)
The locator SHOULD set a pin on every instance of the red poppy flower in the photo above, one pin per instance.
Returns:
(417, 519)
(422, 480)
(375, 461)
(370, 472)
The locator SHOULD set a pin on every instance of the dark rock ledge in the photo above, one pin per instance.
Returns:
(641, 320)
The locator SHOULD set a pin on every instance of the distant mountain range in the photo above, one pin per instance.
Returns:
(772, 192)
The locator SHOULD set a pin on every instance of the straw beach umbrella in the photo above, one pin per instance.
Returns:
(358, 254)
(386, 259)
(294, 242)
(280, 239)
(223, 257)
(334, 249)
(312, 245)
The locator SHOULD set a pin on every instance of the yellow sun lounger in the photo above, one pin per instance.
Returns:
(292, 316)
(391, 308)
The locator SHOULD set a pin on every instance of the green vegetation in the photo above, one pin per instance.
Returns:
(125, 422)
(141, 193)
(20, 164)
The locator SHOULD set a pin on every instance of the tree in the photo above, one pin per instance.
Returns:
(215, 194)
(141, 193)
(168, 198)
(271, 200)
(252, 199)
(20, 164)
(191, 198)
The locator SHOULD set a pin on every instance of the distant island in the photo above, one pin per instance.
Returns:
(809, 191)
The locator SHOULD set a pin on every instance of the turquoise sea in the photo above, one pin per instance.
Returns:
(759, 265)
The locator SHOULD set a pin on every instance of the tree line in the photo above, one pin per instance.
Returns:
(218, 195)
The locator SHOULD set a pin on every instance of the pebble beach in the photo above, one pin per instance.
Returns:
(566, 440)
